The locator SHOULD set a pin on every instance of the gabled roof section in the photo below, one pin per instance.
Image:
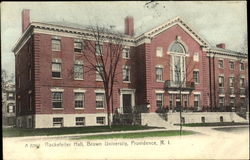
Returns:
(155, 31)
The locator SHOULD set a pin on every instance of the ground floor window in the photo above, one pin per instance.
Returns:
(196, 100)
(100, 120)
(80, 121)
(159, 100)
(58, 122)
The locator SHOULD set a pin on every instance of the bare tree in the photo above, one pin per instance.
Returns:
(103, 49)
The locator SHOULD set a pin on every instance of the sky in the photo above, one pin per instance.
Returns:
(216, 22)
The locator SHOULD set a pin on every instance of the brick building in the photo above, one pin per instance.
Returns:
(8, 105)
(153, 66)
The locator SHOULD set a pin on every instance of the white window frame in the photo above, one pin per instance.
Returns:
(196, 81)
(76, 47)
(57, 123)
(97, 49)
(82, 99)
(55, 70)
(55, 44)
(161, 95)
(230, 65)
(219, 64)
(126, 74)
(98, 76)
(199, 100)
(57, 100)
(223, 82)
(103, 121)
(80, 121)
(242, 66)
(126, 53)
(156, 73)
(78, 75)
(103, 100)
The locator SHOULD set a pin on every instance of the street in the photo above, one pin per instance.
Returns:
(219, 143)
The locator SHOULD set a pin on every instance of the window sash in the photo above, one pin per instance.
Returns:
(56, 45)
(98, 49)
(196, 76)
(159, 100)
(99, 100)
(126, 53)
(126, 74)
(159, 74)
(57, 99)
(231, 65)
(100, 120)
(221, 64)
(79, 99)
(78, 71)
(80, 121)
(241, 82)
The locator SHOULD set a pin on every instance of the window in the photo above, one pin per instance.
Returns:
(159, 52)
(78, 47)
(99, 100)
(30, 102)
(221, 64)
(159, 74)
(79, 100)
(231, 65)
(126, 74)
(78, 71)
(196, 57)
(57, 99)
(241, 82)
(58, 122)
(80, 121)
(98, 49)
(177, 48)
(242, 67)
(221, 81)
(196, 76)
(125, 53)
(11, 108)
(56, 70)
(100, 120)
(203, 119)
(231, 81)
(171, 100)
(99, 72)
(232, 101)
(221, 101)
(159, 100)
(196, 100)
(185, 97)
(10, 96)
(56, 44)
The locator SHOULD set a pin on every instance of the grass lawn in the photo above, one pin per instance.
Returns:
(19, 132)
(138, 135)
(213, 124)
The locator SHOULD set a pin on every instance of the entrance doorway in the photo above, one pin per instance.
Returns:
(127, 103)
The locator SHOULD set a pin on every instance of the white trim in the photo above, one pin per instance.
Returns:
(56, 60)
(232, 95)
(79, 90)
(196, 92)
(56, 89)
(159, 91)
(99, 91)
(242, 96)
(126, 91)
(159, 66)
(221, 95)
(178, 92)
(196, 69)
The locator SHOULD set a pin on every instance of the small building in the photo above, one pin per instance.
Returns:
(8, 105)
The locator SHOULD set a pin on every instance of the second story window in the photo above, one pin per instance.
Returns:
(78, 47)
(231, 65)
(242, 67)
(126, 74)
(57, 99)
(56, 44)
(125, 53)
(196, 77)
(221, 64)
(242, 82)
(231, 81)
(56, 69)
(221, 81)
(78, 71)
(99, 100)
(159, 73)
(79, 100)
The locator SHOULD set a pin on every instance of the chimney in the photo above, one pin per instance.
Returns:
(129, 25)
(25, 19)
(221, 45)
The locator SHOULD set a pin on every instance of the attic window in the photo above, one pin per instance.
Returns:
(177, 48)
